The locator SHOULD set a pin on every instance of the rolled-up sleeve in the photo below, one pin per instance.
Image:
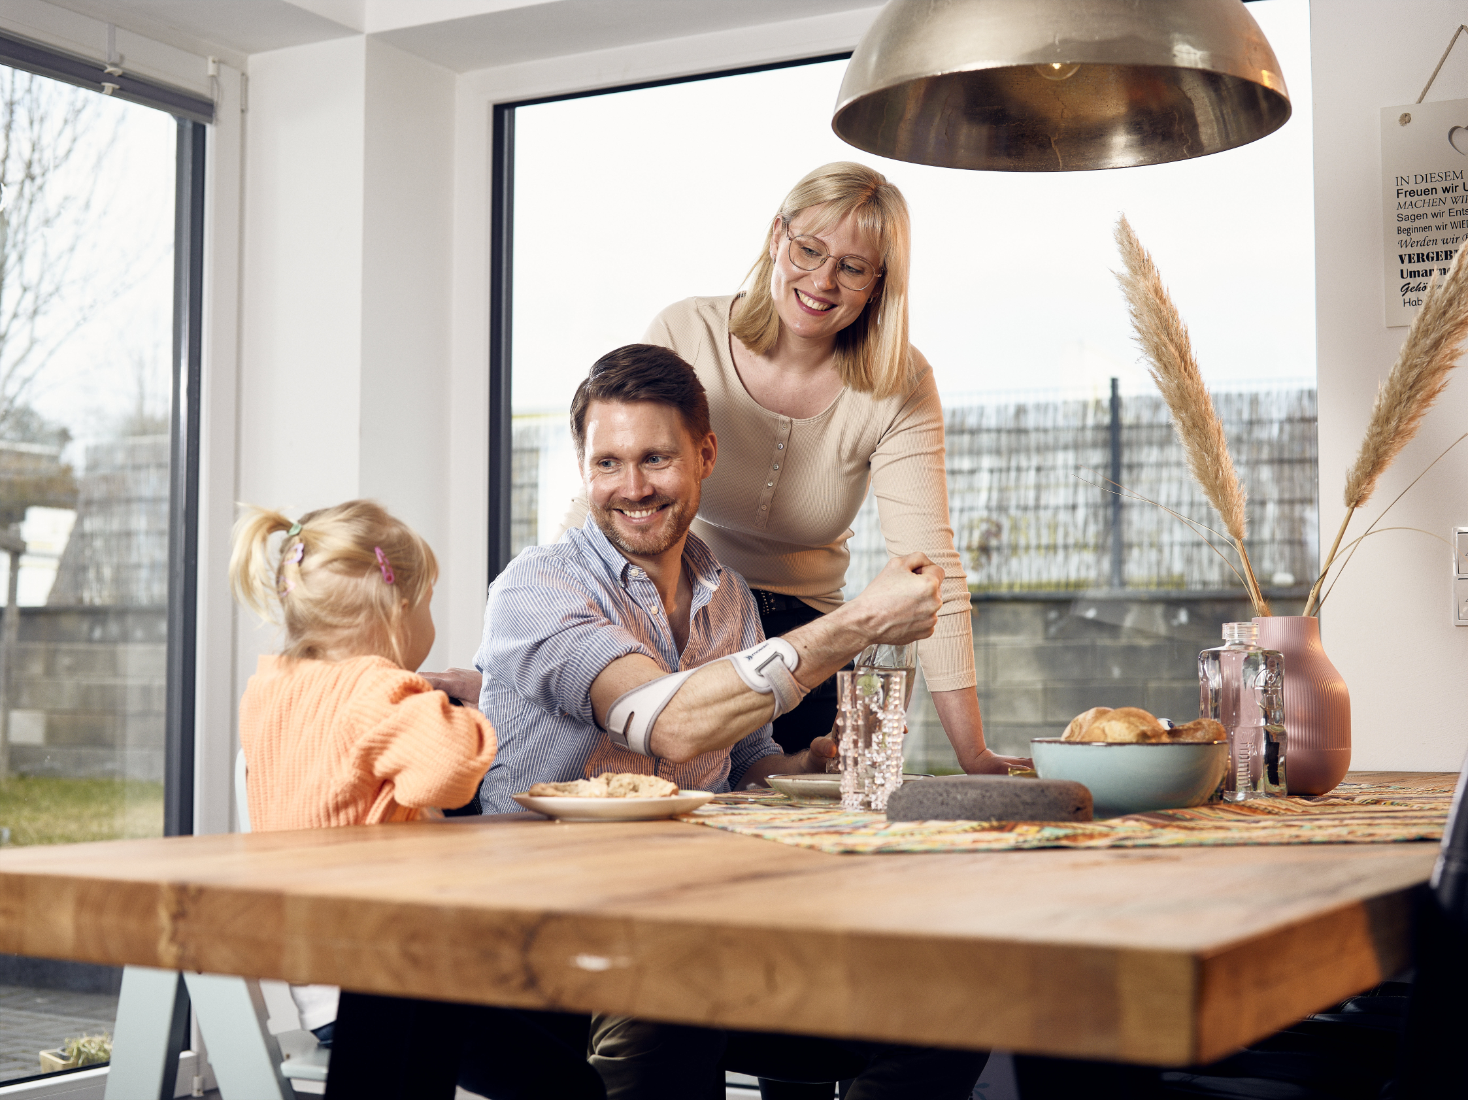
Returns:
(547, 639)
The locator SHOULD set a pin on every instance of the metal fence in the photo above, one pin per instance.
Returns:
(1030, 512)
(1029, 509)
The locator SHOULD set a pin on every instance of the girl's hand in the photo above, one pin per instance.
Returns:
(463, 684)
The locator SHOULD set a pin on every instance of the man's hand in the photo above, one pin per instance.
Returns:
(463, 684)
(809, 761)
(813, 759)
(901, 605)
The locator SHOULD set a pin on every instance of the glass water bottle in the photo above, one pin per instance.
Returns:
(1241, 685)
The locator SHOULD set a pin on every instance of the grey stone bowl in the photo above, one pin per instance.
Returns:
(989, 798)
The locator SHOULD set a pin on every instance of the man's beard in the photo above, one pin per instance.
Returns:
(652, 541)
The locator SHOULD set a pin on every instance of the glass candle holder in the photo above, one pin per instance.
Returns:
(872, 716)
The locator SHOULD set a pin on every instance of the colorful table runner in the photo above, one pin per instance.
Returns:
(1356, 812)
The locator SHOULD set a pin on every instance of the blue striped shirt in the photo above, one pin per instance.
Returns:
(557, 616)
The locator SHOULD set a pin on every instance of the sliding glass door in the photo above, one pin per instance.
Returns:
(100, 249)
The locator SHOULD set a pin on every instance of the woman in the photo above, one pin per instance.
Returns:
(814, 392)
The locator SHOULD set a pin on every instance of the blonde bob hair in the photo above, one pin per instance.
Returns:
(872, 354)
(331, 589)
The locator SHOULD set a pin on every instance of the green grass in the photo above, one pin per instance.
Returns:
(52, 810)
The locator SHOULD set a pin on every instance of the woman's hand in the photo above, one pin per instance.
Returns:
(990, 762)
(463, 684)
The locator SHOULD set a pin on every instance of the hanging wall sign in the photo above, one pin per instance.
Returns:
(1424, 194)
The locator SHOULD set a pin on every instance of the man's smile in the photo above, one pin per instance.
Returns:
(644, 512)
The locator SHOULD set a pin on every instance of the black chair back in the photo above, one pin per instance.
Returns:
(1434, 1054)
(1450, 876)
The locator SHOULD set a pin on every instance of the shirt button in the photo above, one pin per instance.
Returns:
(777, 465)
(779, 446)
(769, 485)
(762, 507)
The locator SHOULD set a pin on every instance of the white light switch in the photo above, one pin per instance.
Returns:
(1460, 601)
(1460, 551)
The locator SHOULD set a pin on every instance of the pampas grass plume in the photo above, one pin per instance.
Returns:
(1163, 338)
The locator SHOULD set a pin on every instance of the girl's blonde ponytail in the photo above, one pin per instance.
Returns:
(251, 575)
(341, 580)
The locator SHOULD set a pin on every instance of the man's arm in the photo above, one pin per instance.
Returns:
(714, 708)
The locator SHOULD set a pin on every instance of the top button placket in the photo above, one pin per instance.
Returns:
(773, 469)
(645, 594)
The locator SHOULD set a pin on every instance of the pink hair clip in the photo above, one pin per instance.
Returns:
(387, 574)
(298, 553)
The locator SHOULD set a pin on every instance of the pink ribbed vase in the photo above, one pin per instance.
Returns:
(1317, 706)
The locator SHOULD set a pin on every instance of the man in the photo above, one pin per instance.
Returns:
(632, 598)
(626, 647)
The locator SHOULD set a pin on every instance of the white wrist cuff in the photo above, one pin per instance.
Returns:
(632, 716)
(767, 669)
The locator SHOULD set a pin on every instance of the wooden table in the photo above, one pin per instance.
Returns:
(1164, 956)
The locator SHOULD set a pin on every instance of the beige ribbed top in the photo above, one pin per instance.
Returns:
(779, 506)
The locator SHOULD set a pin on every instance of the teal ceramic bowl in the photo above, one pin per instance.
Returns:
(1133, 778)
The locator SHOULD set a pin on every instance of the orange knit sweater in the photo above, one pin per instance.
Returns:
(355, 742)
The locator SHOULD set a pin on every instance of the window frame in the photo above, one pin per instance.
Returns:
(501, 279)
(193, 115)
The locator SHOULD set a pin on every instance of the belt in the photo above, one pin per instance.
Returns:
(771, 602)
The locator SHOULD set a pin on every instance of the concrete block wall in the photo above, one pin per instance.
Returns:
(1042, 660)
(88, 692)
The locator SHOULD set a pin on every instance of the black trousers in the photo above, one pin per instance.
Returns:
(398, 1048)
(645, 1060)
(816, 714)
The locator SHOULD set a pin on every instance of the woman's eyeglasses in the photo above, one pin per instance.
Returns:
(852, 272)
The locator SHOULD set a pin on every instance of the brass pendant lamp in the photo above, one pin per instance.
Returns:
(1059, 85)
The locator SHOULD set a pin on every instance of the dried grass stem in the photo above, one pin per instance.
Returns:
(1164, 341)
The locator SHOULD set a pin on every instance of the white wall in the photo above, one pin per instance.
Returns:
(346, 288)
(1387, 627)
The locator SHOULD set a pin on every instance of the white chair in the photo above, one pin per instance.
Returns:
(304, 1061)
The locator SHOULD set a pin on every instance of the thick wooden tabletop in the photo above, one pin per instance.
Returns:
(1164, 956)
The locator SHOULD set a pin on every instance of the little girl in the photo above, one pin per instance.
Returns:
(338, 729)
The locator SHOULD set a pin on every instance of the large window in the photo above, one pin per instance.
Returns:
(99, 265)
(626, 202)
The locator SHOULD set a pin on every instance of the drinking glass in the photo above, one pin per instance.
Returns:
(872, 717)
(881, 658)
(887, 658)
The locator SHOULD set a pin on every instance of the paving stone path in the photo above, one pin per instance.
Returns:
(33, 1020)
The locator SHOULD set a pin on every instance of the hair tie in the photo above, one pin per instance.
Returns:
(295, 530)
(295, 556)
(387, 574)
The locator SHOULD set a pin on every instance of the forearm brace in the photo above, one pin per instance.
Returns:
(766, 668)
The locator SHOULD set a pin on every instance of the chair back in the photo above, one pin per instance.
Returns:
(1450, 875)
(242, 792)
(1433, 1059)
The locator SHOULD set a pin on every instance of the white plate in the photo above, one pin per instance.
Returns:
(568, 808)
(817, 786)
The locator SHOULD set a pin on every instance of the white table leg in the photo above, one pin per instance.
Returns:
(244, 1055)
(152, 1017)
